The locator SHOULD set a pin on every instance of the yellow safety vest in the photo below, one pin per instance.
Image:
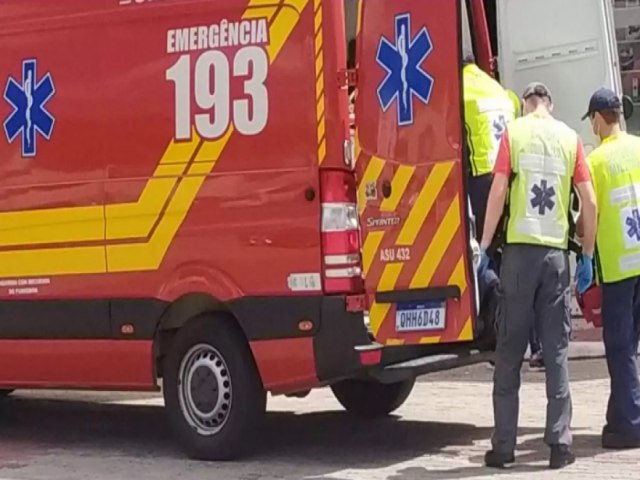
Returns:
(488, 108)
(615, 171)
(543, 157)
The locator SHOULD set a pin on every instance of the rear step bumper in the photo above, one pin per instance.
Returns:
(397, 372)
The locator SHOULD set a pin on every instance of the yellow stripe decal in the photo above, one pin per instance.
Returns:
(430, 340)
(398, 187)
(371, 174)
(149, 255)
(467, 330)
(320, 96)
(438, 246)
(394, 342)
(458, 277)
(427, 198)
(370, 249)
(378, 311)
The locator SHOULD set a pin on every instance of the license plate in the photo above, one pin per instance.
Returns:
(420, 316)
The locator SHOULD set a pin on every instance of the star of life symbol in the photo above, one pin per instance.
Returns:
(543, 197)
(633, 222)
(403, 63)
(499, 125)
(28, 100)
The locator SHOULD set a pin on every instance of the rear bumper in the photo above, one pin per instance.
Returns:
(344, 349)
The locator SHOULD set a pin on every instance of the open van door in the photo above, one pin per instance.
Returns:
(569, 45)
(412, 201)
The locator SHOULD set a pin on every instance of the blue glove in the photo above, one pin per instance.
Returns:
(484, 261)
(584, 273)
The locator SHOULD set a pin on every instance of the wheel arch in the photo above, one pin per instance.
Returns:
(185, 309)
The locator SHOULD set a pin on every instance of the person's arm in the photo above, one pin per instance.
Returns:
(495, 208)
(587, 221)
(498, 193)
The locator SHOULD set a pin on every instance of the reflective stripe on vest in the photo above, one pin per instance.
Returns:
(615, 169)
(488, 108)
(543, 155)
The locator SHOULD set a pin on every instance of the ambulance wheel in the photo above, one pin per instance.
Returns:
(370, 399)
(212, 391)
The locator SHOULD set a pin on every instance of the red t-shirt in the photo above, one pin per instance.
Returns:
(503, 162)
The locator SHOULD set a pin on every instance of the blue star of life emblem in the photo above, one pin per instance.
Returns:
(28, 100)
(633, 222)
(543, 197)
(405, 77)
(499, 126)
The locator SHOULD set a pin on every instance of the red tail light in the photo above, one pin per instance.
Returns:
(342, 263)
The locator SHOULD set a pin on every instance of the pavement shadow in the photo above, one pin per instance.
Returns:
(310, 445)
(586, 445)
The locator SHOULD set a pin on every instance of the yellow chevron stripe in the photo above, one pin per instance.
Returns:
(427, 198)
(394, 342)
(371, 174)
(370, 249)
(144, 256)
(438, 246)
(458, 276)
(320, 95)
(388, 280)
(467, 331)
(398, 187)
(430, 340)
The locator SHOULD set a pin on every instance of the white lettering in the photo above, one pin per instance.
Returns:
(225, 34)
(193, 38)
(262, 37)
(233, 33)
(182, 40)
(245, 33)
(171, 41)
(203, 38)
(214, 32)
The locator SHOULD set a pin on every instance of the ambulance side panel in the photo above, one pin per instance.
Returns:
(181, 167)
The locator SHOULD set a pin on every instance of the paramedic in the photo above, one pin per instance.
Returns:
(615, 170)
(538, 160)
(487, 109)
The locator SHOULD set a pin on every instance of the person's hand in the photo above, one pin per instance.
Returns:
(584, 273)
(484, 261)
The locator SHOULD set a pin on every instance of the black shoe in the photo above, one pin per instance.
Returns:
(536, 361)
(498, 460)
(561, 456)
(616, 441)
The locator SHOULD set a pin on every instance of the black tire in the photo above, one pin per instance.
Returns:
(225, 379)
(370, 399)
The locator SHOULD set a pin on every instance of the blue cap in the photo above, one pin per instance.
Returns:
(603, 99)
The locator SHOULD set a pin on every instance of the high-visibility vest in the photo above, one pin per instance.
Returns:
(615, 171)
(488, 109)
(543, 157)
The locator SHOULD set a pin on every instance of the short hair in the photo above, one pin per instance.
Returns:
(538, 100)
(610, 117)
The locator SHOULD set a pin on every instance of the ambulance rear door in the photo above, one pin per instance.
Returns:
(412, 201)
(569, 45)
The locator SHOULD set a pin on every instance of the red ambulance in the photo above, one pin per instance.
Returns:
(182, 204)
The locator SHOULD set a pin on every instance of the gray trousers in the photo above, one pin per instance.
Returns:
(534, 291)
